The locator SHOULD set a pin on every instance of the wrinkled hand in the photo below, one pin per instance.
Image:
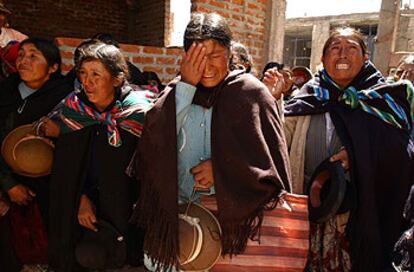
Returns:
(276, 82)
(21, 194)
(203, 175)
(342, 156)
(86, 215)
(193, 64)
(408, 75)
(49, 128)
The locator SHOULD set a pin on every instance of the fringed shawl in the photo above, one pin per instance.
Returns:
(381, 156)
(250, 165)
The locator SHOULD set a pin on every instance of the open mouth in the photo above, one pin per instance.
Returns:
(342, 66)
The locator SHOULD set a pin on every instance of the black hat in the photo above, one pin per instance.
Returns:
(329, 192)
(105, 248)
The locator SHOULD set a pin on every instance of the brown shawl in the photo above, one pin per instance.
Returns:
(249, 157)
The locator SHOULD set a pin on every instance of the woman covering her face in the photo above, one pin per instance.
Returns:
(349, 114)
(92, 196)
(24, 98)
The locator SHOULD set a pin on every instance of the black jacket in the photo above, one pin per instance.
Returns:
(14, 111)
(85, 155)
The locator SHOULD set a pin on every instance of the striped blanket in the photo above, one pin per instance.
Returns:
(284, 239)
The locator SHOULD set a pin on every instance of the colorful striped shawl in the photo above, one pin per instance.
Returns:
(391, 103)
(127, 114)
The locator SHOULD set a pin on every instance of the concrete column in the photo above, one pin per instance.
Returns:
(387, 32)
(275, 30)
(403, 34)
(320, 33)
(410, 35)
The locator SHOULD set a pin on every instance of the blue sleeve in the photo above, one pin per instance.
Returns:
(184, 94)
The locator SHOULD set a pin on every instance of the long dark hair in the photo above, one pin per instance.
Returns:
(348, 32)
(109, 55)
(207, 26)
(48, 49)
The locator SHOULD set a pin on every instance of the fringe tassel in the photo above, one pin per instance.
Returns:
(161, 230)
(236, 234)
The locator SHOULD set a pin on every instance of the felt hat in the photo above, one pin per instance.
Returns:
(199, 236)
(26, 153)
(327, 192)
(103, 249)
(301, 75)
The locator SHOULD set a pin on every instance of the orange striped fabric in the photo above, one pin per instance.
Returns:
(284, 240)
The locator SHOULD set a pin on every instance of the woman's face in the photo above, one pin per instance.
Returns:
(97, 82)
(343, 59)
(217, 59)
(32, 66)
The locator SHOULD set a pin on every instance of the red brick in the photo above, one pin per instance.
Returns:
(202, 9)
(171, 71)
(166, 61)
(174, 51)
(130, 48)
(223, 13)
(238, 2)
(252, 6)
(237, 17)
(143, 60)
(73, 42)
(217, 4)
(153, 50)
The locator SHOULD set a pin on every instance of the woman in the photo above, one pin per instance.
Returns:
(215, 130)
(100, 127)
(349, 114)
(24, 98)
(240, 59)
(7, 33)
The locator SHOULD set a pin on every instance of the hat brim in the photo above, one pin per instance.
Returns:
(303, 69)
(320, 210)
(211, 247)
(8, 148)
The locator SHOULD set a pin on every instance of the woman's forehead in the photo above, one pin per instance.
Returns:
(93, 64)
(344, 39)
(29, 47)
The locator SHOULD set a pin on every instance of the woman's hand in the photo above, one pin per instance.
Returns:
(21, 194)
(193, 64)
(86, 215)
(408, 74)
(342, 156)
(276, 82)
(49, 128)
(203, 175)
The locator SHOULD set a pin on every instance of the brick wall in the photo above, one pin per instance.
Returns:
(151, 22)
(163, 61)
(246, 19)
(130, 21)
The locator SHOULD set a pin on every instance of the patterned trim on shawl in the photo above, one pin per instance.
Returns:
(128, 114)
(392, 113)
